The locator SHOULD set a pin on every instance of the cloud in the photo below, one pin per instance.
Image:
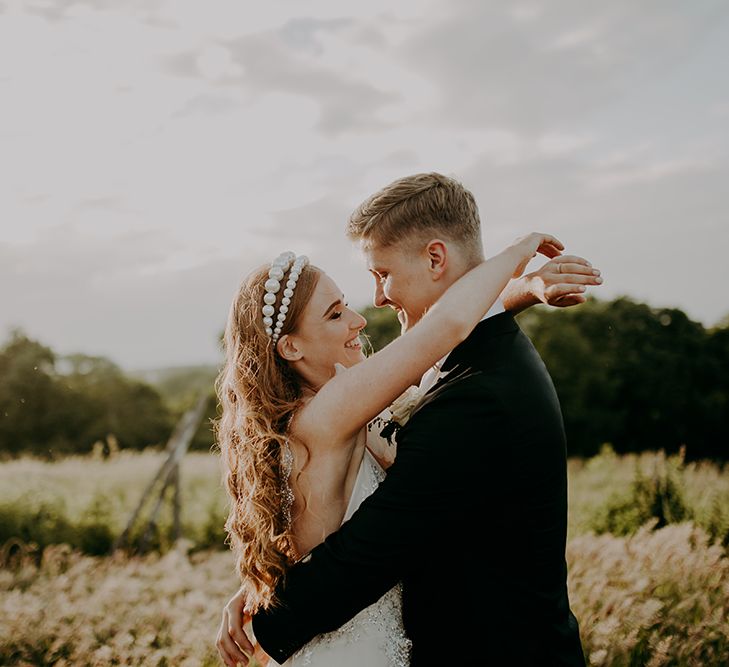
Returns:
(621, 175)
(121, 296)
(316, 221)
(269, 63)
(543, 71)
(68, 258)
(137, 185)
(654, 232)
(720, 109)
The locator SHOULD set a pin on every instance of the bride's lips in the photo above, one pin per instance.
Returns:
(354, 343)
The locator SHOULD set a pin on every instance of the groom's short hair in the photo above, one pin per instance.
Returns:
(414, 207)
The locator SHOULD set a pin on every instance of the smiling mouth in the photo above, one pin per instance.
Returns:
(353, 344)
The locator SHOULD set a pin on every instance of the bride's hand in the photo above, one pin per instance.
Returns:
(232, 642)
(527, 247)
(260, 657)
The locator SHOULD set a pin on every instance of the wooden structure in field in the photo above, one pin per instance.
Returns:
(167, 478)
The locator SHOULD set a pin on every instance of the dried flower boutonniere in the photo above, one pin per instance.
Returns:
(400, 411)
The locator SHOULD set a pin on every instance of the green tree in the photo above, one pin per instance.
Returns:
(129, 409)
(634, 376)
(36, 409)
(180, 388)
(52, 412)
(382, 326)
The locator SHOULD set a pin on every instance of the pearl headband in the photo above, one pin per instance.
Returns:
(278, 269)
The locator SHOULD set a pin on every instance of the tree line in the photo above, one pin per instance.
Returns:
(52, 405)
(635, 377)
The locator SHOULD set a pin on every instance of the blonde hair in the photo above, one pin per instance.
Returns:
(258, 394)
(412, 207)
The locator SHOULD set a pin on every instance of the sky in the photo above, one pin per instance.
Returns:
(153, 152)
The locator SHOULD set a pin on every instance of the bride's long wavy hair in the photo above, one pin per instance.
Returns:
(258, 394)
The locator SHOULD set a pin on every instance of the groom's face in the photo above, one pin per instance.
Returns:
(402, 282)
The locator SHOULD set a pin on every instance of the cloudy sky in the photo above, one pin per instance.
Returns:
(152, 152)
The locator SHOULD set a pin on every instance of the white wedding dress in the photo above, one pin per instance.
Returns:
(375, 637)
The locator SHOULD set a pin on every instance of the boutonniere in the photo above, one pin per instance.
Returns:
(400, 410)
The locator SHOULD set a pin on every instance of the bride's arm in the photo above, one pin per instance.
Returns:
(350, 399)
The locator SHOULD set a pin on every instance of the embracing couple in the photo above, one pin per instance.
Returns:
(452, 551)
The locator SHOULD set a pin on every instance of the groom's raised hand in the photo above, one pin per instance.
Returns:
(561, 282)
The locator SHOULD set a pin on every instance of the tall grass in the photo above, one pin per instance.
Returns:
(643, 594)
(654, 598)
(87, 501)
(76, 610)
(604, 490)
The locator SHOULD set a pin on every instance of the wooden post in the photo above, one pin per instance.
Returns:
(169, 470)
(152, 523)
(176, 527)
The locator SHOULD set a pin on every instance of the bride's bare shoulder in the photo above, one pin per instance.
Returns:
(309, 425)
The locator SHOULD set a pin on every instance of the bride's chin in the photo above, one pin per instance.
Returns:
(352, 360)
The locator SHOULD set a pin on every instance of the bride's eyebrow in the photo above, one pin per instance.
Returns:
(328, 310)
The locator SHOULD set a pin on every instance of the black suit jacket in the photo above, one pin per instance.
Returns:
(472, 518)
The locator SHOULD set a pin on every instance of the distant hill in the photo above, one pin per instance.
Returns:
(179, 385)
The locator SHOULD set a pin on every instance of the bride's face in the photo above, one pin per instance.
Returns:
(328, 331)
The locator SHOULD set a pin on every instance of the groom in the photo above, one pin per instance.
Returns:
(472, 516)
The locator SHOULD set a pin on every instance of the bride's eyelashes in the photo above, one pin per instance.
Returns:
(338, 313)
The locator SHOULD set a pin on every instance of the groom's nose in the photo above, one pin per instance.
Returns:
(379, 300)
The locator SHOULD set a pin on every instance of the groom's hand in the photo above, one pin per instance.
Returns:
(562, 281)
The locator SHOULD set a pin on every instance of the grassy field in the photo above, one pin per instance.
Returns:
(86, 501)
(647, 597)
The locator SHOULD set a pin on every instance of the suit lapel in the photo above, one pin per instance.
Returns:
(459, 362)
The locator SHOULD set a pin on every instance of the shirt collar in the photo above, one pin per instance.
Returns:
(496, 309)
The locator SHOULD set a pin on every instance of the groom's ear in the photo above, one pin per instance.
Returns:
(437, 252)
(288, 349)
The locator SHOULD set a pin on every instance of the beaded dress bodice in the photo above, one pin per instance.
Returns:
(375, 637)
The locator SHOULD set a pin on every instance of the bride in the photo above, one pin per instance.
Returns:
(297, 394)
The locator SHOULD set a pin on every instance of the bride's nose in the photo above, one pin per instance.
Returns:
(359, 321)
